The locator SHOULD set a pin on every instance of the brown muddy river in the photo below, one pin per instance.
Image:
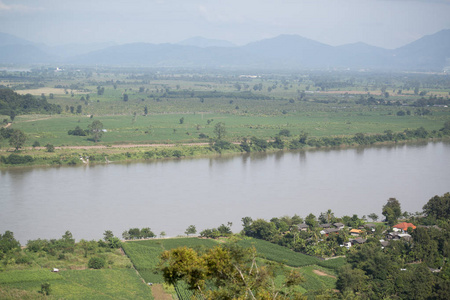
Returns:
(171, 195)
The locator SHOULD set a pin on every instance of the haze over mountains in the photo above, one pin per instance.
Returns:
(429, 53)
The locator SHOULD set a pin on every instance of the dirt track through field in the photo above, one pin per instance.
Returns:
(130, 146)
(159, 293)
(320, 273)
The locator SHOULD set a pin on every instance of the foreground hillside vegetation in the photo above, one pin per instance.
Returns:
(284, 258)
(100, 113)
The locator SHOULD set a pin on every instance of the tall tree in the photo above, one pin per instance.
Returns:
(438, 207)
(17, 139)
(96, 130)
(373, 216)
(392, 211)
(191, 230)
(220, 130)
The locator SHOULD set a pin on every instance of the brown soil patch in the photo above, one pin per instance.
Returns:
(375, 93)
(159, 293)
(77, 267)
(47, 91)
(320, 273)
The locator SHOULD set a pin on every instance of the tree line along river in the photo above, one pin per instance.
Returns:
(206, 192)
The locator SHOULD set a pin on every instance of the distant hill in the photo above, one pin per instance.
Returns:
(292, 51)
(71, 50)
(8, 40)
(428, 52)
(202, 42)
(24, 54)
(282, 52)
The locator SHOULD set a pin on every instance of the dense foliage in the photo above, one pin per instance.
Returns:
(12, 104)
(226, 271)
(405, 269)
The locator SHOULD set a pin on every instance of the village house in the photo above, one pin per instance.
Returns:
(403, 227)
(302, 227)
(398, 236)
(338, 225)
(326, 225)
(357, 241)
(329, 230)
(355, 232)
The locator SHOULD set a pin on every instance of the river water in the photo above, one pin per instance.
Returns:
(206, 192)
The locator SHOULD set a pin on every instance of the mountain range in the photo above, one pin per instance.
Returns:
(429, 53)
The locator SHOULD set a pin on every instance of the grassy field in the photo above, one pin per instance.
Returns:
(145, 257)
(22, 277)
(80, 284)
(145, 254)
(166, 128)
(318, 104)
(278, 253)
(334, 263)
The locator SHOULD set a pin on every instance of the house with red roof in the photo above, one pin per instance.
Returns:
(403, 227)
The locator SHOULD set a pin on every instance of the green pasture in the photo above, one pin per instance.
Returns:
(314, 282)
(82, 284)
(334, 263)
(145, 254)
(313, 103)
(166, 128)
(279, 253)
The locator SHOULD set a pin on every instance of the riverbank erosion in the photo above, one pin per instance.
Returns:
(106, 154)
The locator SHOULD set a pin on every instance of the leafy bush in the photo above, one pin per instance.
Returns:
(284, 132)
(15, 159)
(96, 263)
(50, 148)
(46, 288)
(78, 132)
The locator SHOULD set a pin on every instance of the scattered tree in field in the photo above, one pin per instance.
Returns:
(107, 235)
(220, 130)
(182, 120)
(126, 235)
(96, 130)
(146, 110)
(79, 109)
(100, 90)
(88, 246)
(147, 233)
(50, 148)
(36, 144)
(125, 97)
(373, 216)
(96, 263)
(162, 234)
(78, 131)
(8, 245)
(45, 289)
(190, 230)
(17, 139)
(284, 132)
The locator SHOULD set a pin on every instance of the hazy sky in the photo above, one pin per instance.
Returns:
(384, 23)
